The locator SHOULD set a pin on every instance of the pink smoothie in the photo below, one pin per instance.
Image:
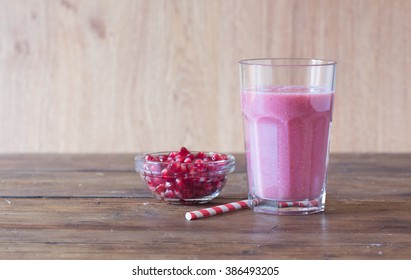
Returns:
(287, 131)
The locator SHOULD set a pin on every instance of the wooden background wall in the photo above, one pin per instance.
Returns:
(87, 76)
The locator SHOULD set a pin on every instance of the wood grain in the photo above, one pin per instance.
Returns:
(113, 217)
(129, 76)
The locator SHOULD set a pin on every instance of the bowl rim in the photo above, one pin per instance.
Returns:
(141, 157)
(227, 165)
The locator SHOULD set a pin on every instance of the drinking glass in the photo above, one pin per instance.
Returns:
(287, 106)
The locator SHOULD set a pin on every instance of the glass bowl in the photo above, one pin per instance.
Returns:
(184, 177)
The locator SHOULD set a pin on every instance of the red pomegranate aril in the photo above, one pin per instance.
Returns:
(169, 185)
(154, 168)
(199, 165)
(151, 168)
(224, 156)
(173, 166)
(183, 152)
(215, 157)
(190, 156)
(146, 167)
(180, 183)
(149, 158)
(184, 168)
(166, 173)
(177, 194)
(192, 170)
(150, 183)
(208, 187)
(160, 188)
(200, 155)
(169, 194)
(172, 154)
(212, 168)
(179, 158)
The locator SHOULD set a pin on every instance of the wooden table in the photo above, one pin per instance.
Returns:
(95, 207)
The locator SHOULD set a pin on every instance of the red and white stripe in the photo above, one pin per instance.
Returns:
(311, 203)
(216, 210)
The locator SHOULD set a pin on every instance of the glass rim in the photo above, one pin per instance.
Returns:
(287, 62)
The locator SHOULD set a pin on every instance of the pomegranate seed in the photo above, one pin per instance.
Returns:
(169, 185)
(184, 168)
(200, 155)
(199, 166)
(192, 170)
(154, 168)
(149, 181)
(183, 152)
(190, 156)
(166, 172)
(215, 157)
(212, 167)
(224, 156)
(177, 194)
(173, 167)
(146, 167)
(179, 158)
(157, 180)
(179, 183)
(161, 188)
(169, 194)
(149, 158)
(172, 154)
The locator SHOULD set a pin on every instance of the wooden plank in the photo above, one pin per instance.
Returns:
(343, 162)
(113, 228)
(78, 162)
(77, 175)
(66, 162)
(91, 184)
(368, 176)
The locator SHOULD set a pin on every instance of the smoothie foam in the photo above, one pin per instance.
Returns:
(287, 136)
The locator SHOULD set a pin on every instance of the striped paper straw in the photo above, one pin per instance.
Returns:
(216, 210)
(243, 204)
(311, 203)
